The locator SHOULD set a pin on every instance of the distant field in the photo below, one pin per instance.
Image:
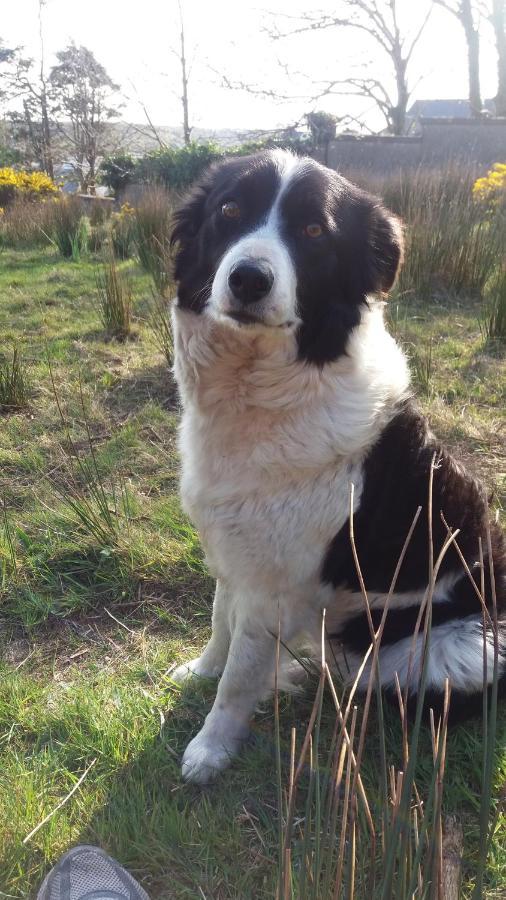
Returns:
(91, 620)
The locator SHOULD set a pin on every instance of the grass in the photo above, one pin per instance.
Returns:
(103, 588)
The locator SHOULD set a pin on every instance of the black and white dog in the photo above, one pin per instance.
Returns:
(293, 390)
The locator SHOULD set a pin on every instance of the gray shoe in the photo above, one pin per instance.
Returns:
(87, 873)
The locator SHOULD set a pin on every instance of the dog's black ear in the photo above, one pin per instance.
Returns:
(385, 249)
(188, 217)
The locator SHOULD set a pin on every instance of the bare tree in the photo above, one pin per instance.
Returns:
(378, 20)
(467, 13)
(44, 102)
(185, 75)
(83, 99)
(27, 82)
(498, 20)
(7, 54)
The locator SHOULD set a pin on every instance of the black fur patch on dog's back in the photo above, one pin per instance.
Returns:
(396, 483)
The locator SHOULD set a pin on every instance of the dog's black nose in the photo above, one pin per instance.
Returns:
(250, 281)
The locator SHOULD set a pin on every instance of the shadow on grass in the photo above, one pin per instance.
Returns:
(178, 840)
(221, 842)
(149, 384)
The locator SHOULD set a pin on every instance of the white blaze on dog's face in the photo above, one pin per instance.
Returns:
(275, 241)
(256, 281)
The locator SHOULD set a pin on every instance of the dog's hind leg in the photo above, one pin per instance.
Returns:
(211, 662)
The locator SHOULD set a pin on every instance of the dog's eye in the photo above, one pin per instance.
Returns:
(231, 210)
(313, 230)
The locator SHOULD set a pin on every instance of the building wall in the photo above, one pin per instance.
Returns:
(443, 142)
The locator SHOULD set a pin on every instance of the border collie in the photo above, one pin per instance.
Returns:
(293, 390)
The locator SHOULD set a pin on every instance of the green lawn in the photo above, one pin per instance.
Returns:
(93, 615)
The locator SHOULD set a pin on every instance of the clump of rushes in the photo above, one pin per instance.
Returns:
(14, 383)
(68, 227)
(102, 513)
(123, 231)
(153, 226)
(493, 321)
(161, 327)
(25, 223)
(115, 299)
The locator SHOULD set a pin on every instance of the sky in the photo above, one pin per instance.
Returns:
(135, 41)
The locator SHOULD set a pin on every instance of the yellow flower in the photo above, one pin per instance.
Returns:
(491, 189)
(24, 185)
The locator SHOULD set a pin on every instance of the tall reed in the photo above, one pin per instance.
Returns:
(345, 834)
(14, 383)
(68, 228)
(153, 226)
(451, 245)
(114, 297)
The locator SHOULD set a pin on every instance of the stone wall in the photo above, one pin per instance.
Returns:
(475, 144)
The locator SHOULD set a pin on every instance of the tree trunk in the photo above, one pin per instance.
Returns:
(184, 98)
(473, 56)
(499, 24)
(47, 155)
(47, 151)
(398, 112)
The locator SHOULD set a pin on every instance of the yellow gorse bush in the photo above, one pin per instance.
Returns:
(491, 189)
(19, 185)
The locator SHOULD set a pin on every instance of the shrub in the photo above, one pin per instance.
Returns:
(123, 231)
(322, 126)
(68, 228)
(115, 299)
(177, 168)
(9, 156)
(153, 227)
(14, 384)
(118, 171)
(16, 185)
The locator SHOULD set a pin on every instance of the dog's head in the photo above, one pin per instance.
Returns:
(273, 241)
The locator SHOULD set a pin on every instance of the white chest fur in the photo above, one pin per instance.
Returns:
(270, 445)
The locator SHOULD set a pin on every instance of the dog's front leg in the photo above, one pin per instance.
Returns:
(211, 662)
(247, 678)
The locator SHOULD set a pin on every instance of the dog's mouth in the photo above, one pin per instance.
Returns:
(245, 318)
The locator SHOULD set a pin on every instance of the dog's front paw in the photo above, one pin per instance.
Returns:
(192, 668)
(206, 756)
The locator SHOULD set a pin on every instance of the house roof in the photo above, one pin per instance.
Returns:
(446, 109)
